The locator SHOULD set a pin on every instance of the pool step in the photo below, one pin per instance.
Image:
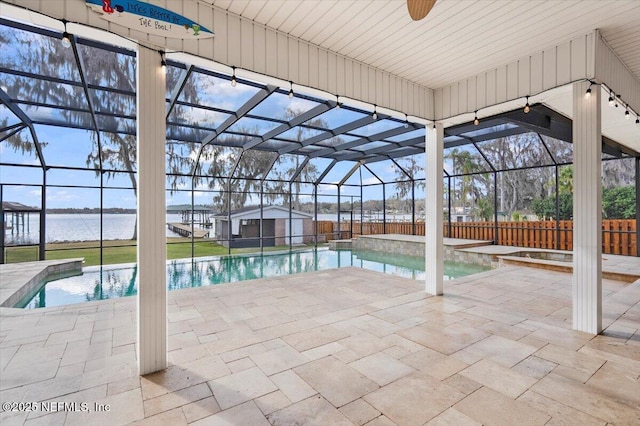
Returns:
(340, 244)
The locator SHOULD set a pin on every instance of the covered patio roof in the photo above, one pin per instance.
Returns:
(260, 116)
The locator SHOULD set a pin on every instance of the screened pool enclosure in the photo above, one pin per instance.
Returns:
(68, 145)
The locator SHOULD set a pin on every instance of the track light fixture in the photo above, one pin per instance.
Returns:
(375, 112)
(527, 107)
(626, 113)
(338, 102)
(290, 89)
(234, 80)
(611, 101)
(406, 121)
(434, 126)
(637, 120)
(475, 120)
(66, 38)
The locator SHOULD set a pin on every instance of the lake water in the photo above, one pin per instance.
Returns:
(86, 227)
(81, 227)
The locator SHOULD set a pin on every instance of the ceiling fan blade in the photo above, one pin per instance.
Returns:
(418, 9)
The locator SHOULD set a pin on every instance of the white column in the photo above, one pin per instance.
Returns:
(433, 210)
(587, 210)
(152, 256)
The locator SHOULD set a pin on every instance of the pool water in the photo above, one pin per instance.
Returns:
(108, 282)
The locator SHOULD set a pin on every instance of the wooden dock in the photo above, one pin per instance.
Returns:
(185, 230)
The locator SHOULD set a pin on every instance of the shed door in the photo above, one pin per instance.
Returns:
(297, 231)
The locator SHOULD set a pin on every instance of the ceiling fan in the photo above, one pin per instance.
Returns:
(418, 9)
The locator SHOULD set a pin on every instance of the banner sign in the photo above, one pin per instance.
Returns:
(145, 17)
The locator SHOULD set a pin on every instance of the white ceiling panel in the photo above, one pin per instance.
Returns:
(458, 39)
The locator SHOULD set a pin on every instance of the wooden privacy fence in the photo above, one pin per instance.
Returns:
(618, 235)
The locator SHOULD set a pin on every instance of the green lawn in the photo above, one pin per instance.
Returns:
(122, 251)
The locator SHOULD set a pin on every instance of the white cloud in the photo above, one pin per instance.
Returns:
(61, 195)
(327, 189)
(370, 181)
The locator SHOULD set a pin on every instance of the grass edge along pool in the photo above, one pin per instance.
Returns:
(107, 282)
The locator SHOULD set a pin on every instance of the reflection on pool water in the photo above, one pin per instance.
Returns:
(107, 282)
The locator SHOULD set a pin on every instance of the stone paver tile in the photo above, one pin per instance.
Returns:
(200, 409)
(236, 338)
(52, 419)
(501, 350)
(381, 368)
(81, 351)
(124, 408)
(568, 339)
(435, 363)
(176, 399)
(179, 377)
(574, 360)
(630, 350)
(336, 381)
(239, 387)
(183, 340)
(397, 352)
(586, 399)
(6, 354)
(406, 344)
(363, 344)
(560, 413)
(315, 337)
(359, 412)
(293, 387)
(243, 352)
(534, 367)
(314, 411)
(423, 359)
(240, 364)
(271, 402)
(453, 417)
(617, 382)
(446, 340)
(322, 351)
(173, 417)
(188, 354)
(31, 373)
(277, 360)
(630, 365)
(463, 384)
(381, 421)
(244, 414)
(114, 362)
(71, 370)
(30, 355)
(403, 401)
(86, 396)
(210, 327)
(489, 407)
(499, 378)
(123, 385)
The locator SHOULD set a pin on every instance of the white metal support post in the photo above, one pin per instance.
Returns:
(433, 211)
(152, 256)
(587, 210)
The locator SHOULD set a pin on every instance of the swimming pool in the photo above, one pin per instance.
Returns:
(107, 282)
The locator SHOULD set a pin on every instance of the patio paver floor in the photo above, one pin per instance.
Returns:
(346, 346)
